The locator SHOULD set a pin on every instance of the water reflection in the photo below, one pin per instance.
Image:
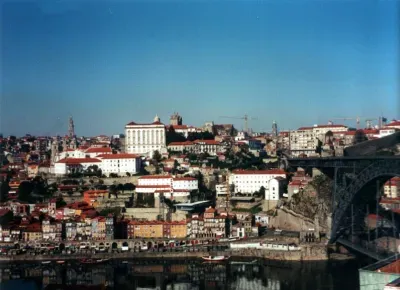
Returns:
(185, 275)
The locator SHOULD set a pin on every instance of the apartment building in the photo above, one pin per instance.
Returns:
(250, 181)
(392, 188)
(305, 139)
(171, 187)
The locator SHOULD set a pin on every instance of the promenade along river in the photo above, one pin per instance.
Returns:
(184, 275)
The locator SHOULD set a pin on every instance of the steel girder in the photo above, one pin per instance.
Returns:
(344, 195)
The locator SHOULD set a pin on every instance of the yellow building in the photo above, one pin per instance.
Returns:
(178, 229)
(33, 232)
(148, 229)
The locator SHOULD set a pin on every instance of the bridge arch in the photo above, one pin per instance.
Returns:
(381, 170)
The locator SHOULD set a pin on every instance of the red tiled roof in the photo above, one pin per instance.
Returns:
(266, 172)
(155, 177)
(118, 156)
(393, 268)
(323, 126)
(144, 124)
(180, 127)
(186, 143)
(184, 178)
(99, 150)
(4, 211)
(210, 210)
(394, 123)
(95, 191)
(207, 142)
(152, 186)
(78, 160)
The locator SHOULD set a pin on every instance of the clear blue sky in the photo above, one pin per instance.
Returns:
(296, 62)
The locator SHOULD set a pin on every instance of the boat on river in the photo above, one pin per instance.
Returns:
(46, 262)
(93, 261)
(244, 262)
(215, 258)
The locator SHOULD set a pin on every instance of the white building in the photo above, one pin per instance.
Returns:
(71, 165)
(144, 139)
(91, 152)
(386, 132)
(185, 130)
(221, 189)
(305, 139)
(120, 164)
(275, 188)
(392, 188)
(395, 124)
(249, 181)
(181, 146)
(211, 147)
(171, 187)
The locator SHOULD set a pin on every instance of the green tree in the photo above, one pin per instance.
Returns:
(262, 192)
(157, 156)
(113, 191)
(359, 137)
(60, 202)
(24, 191)
(172, 136)
(129, 186)
(120, 187)
(232, 188)
(4, 190)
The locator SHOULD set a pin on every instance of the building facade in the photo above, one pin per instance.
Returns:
(144, 139)
(171, 187)
(250, 181)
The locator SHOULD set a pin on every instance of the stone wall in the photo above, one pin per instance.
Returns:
(289, 220)
(307, 254)
(142, 213)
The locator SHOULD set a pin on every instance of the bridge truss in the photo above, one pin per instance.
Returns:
(356, 180)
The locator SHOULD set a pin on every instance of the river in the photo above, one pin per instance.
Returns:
(185, 274)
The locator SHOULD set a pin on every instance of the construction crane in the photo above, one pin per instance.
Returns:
(245, 118)
(369, 122)
(347, 119)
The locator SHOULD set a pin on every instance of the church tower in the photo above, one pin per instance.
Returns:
(274, 129)
(54, 151)
(175, 120)
(71, 128)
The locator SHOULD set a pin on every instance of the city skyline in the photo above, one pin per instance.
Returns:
(111, 63)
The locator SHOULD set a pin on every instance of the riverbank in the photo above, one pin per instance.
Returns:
(308, 253)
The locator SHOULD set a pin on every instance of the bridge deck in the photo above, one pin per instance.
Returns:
(360, 249)
(347, 158)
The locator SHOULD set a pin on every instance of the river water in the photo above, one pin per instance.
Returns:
(185, 274)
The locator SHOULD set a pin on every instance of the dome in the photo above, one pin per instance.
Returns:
(157, 119)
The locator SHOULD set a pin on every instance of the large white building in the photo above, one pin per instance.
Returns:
(72, 165)
(250, 181)
(171, 187)
(83, 152)
(144, 139)
(305, 139)
(119, 164)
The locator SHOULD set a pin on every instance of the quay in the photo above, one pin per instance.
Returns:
(307, 253)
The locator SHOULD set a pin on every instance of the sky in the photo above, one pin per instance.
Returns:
(299, 63)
